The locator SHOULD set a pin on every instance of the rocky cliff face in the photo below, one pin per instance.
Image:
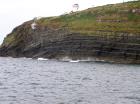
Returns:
(57, 37)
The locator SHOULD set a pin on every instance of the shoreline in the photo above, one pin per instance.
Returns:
(110, 60)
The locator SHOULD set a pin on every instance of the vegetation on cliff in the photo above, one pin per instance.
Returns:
(124, 17)
(110, 30)
(112, 18)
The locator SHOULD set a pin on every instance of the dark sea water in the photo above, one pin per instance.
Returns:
(27, 81)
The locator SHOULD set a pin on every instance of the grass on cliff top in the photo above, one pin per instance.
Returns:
(107, 19)
(113, 17)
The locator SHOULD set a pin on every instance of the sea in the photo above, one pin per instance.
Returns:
(43, 81)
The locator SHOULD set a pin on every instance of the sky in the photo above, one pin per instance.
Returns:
(15, 12)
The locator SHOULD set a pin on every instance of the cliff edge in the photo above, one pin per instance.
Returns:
(110, 32)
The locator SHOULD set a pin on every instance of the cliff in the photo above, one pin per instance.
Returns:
(110, 32)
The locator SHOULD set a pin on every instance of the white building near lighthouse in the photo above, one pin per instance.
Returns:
(33, 25)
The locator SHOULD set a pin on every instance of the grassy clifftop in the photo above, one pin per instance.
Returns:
(110, 31)
(123, 17)
(108, 19)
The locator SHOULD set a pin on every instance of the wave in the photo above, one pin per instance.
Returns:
(68, 59)
(74, 61)
(42, 59)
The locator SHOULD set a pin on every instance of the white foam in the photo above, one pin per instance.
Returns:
(74, 61)
(42, 59)
(65, 59)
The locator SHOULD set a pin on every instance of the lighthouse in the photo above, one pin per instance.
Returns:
(75, 7)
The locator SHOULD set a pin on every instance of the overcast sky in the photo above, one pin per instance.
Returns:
(15, 12)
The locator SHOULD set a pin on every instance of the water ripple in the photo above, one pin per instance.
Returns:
(24, 81)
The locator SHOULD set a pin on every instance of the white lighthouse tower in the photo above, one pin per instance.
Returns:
(75, 7)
